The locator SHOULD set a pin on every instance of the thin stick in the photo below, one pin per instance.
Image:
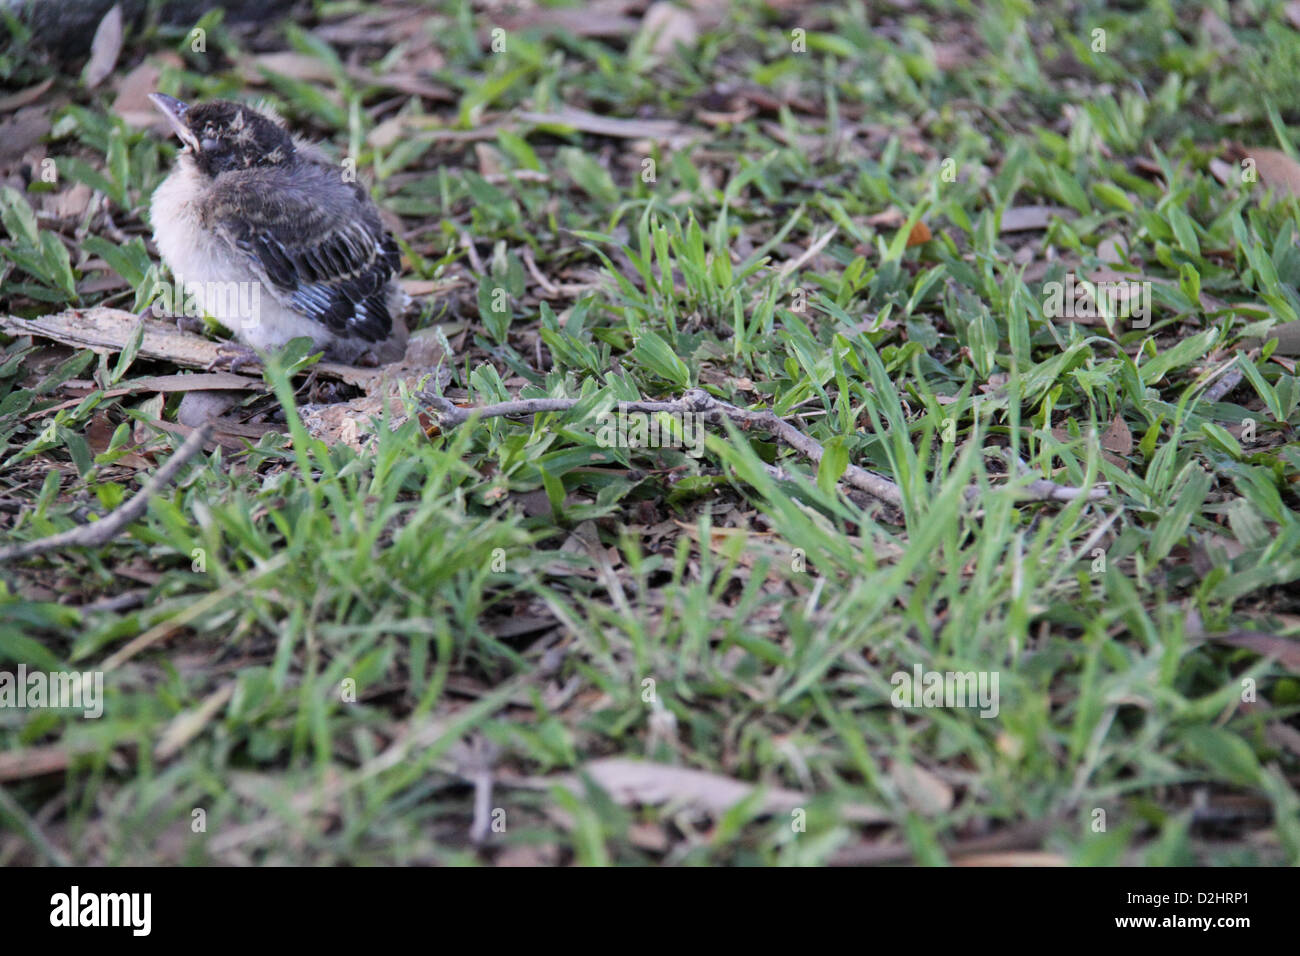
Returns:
(549, 287)
(101, 532)
(1230, 380)
(699, 402)
(795, 264)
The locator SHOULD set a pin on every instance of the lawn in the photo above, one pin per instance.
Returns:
(967, 528)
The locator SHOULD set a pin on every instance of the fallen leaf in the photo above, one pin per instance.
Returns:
(1029, 218)
(665, 25)
(489, 159)
(21, 131)
(598, 125)
(923, 791)
(132, 103)
(1113, 250)
(891, 218)
(71, 203)
(1225, 173)
(919, 235)
(296, 66)
(599, 19)
(389, 132)
(1276, 170)
(1285, 649)
(1118, 438)
(104, 48)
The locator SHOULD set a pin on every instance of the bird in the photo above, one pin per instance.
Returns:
(248, 203)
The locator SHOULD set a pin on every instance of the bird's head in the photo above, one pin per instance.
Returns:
(222, 136)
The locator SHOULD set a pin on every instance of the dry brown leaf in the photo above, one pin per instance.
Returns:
(296, 66)
(71, 203)
(598, 125)
(665, 25)
(21, 131)
(891, 218)
(132, 103)
(104, 48)
(1276, 170)
(1118, 438)
(923, 791)
(490, 160)
(599, 19)
(1225, 173)
(1113, 250)
(1029, 218)
(1285, 649)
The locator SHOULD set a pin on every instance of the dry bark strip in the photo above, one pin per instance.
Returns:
(109, 330)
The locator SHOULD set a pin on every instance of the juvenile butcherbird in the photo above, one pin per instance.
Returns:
(249, 204)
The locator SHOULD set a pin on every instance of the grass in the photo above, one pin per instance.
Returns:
(345, 645)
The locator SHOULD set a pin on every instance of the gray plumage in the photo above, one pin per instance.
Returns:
(248, 204)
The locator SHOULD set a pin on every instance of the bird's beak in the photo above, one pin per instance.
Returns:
(175, 111)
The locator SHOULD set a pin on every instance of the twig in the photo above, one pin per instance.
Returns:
(1040, 489)
(475, 263)
(699, 402)
(549, 287)
(795, 264)
(1043, 489)
(101, 532)
(695, 402)
(1231, 379)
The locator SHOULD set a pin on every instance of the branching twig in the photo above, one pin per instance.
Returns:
(101, 532)
(699, 402)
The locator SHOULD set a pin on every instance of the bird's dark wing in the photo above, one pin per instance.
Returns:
(317, 241)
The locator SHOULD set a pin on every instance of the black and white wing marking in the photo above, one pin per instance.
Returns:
(326, 254)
